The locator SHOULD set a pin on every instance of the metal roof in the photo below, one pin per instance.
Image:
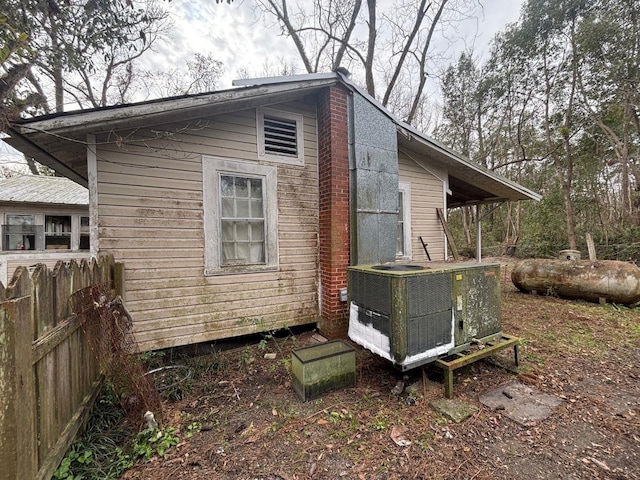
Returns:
(43, 189)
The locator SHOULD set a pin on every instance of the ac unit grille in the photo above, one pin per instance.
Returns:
(378, 322)
(428, 294)
(429, 331)
(371, 291)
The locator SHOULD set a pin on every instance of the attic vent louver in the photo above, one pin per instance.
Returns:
(280, 136)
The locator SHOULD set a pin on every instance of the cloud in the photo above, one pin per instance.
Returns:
(232, 33)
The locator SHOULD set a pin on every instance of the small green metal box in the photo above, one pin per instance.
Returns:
(323, 367)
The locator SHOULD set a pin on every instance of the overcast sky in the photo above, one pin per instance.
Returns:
(235, 35)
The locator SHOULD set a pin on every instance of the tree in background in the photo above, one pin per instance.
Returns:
(608, 47)
(203, 73)
(78, 48)
(15, 63)
(389, 47)
(556, 109)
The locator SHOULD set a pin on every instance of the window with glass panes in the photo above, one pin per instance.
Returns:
(20, 233)
(242, 220)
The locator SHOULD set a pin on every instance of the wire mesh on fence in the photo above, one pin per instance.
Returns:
(108, 328)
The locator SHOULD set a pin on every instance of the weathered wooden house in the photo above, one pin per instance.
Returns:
(239, 210)
(43, 219)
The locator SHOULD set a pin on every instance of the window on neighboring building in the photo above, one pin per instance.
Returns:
(20, 232)
(84, 234)
(403, 237)
(38, 231)
(240, 216)
(57, 232)
(280, 136)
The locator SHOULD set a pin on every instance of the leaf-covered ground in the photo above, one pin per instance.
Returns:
(239, 417)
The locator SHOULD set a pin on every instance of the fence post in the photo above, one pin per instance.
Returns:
(8, 452)
(118, 279)
(19, 417)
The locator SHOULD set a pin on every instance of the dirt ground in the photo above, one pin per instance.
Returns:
(247, 422)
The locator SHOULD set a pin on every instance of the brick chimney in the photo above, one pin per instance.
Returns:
(333, 167)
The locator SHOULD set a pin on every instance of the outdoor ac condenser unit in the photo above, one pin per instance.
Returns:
(411, 315)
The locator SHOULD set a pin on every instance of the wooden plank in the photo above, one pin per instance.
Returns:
(157, 232)
(146, 192)
(69, 434)
(223, 299)
(202, 334)
(207, 285)
(445, 226)
(8, 398)
(222, 322)
(49, 341)
(62, 379)
(466, 359)
(47, 420)
(20, 312)
(61, 291)
(42, 299)
(109, 221)
(463, 359)
(20, 284)
(150, 279)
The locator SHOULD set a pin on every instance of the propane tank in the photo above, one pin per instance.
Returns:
(611, 280)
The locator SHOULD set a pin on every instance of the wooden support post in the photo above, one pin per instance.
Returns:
(447, 232)
(448, 383)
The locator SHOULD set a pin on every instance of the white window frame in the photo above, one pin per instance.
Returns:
(297, 160)
(212, 169)
(405, 189)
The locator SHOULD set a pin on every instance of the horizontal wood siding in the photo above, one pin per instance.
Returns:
(427, 194)
(151, 218)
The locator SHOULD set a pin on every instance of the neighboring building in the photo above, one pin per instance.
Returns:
(43, 219)
(238, 211)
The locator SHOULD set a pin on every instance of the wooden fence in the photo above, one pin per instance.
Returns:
(49, 377)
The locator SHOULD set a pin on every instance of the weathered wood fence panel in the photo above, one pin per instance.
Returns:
(49, 377)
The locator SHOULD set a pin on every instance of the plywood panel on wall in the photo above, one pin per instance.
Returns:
(150, 211)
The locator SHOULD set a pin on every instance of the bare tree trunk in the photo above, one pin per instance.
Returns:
(422, 11)
(57, 66)
(343, 45)
(423, 65)
(283, 15)
(371, 44)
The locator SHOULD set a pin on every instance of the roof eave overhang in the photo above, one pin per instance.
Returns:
(498, 189)
(26, 145)
(149, 113)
